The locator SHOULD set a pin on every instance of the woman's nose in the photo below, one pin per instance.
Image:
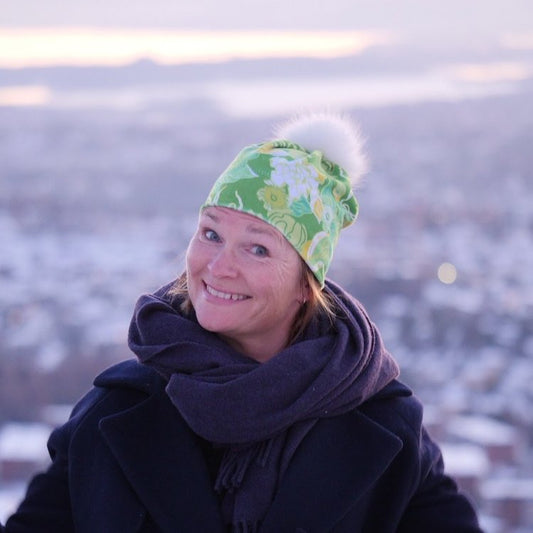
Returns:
(223, 263)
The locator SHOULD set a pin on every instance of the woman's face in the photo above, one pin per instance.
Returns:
(244, 281)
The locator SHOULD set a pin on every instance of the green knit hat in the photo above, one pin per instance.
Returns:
(297, 190)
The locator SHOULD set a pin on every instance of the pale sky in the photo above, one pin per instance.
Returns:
(456, 18)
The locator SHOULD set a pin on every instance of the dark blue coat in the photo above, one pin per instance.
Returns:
(127, 462)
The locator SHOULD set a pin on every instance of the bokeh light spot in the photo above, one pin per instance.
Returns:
(447, 273)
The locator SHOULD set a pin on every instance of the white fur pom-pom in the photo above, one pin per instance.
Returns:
(336, 136)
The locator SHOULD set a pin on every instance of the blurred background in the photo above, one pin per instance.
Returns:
(116, 116)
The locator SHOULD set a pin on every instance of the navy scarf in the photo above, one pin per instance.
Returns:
(260, 412)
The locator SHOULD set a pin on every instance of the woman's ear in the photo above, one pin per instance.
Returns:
(305, 293)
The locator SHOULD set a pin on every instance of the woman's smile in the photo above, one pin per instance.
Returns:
(225, 295)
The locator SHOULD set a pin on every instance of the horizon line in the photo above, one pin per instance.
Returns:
(90, 46)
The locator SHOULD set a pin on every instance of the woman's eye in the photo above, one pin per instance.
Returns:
(211, 235)
(259, 250)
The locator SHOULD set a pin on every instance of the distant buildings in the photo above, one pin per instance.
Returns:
(22, 450)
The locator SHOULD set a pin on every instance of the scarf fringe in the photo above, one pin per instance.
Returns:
(244, 526)
(235, 464)
(264, 452)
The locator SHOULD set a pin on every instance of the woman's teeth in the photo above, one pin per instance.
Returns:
(225, 295)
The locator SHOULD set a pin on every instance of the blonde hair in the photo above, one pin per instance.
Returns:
(318, 301)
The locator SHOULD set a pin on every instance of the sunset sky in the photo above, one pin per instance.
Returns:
(463, 38)
(35, 33)
(28, 47)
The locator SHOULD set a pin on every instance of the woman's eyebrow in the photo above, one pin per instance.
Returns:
(250, 228)
(210, 215)
(260, 230)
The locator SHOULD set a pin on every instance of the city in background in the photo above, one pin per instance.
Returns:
(103, 167)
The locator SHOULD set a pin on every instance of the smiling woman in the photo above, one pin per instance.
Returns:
(27, 47)
(227, 422)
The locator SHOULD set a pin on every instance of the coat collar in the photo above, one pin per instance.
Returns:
(326, 454)
(163, 462)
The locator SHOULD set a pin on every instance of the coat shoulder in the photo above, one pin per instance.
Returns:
(82, 489)
(396, 408)
(117, 388)
(130, 374)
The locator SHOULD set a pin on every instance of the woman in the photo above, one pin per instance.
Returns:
(263, 398)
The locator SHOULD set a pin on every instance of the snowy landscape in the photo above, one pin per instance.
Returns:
(99, 190)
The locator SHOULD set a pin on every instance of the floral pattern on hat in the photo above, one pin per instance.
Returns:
(302, 194)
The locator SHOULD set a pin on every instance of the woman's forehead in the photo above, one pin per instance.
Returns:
(251, 223)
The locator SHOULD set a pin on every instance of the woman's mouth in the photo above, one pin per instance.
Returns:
(225, 295)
